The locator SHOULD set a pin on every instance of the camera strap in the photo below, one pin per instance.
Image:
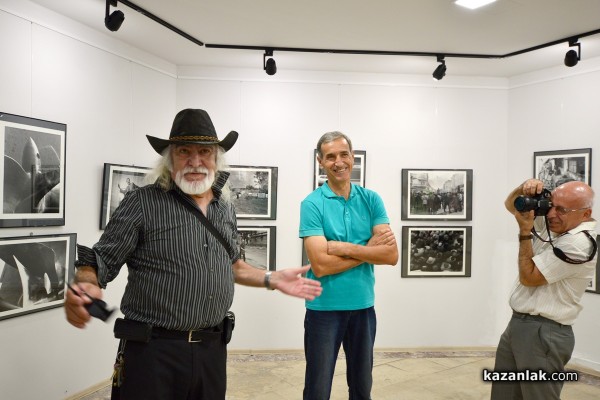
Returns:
(204, 221)
(561, 254)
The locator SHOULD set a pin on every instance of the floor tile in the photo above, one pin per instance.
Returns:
(441, 375)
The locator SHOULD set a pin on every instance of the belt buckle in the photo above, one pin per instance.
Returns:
(191, 339)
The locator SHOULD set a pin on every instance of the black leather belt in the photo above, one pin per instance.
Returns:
(192, 336)
(539, 318)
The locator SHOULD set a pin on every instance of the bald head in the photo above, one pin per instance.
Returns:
(578, 193)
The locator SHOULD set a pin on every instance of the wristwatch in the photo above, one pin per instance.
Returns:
(268, 280)
(525, 237)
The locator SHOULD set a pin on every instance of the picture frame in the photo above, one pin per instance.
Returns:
(254, 191)
(257, 246)
(305, 260)
(437, 194)
(559, 166)
(358, 170)
(117, 180)
(436, 251)
(593, 285)
(33, 171)
(34, 272)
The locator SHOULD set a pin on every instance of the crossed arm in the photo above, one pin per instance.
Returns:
(333, 257)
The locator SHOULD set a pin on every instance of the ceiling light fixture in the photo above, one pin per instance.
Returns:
(400, 53)
(473, 4)
(440, 71)
(269, 64)
(149, 15)
(113, 21)
(572, 57)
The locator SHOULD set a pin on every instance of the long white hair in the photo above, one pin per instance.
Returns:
(161, 173)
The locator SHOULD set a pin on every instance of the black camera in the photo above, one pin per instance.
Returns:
(539, 203)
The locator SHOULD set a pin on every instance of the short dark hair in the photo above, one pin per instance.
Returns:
(330, 137)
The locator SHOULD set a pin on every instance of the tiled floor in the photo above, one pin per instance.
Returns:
(449, 375)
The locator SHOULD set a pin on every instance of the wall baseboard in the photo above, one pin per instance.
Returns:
(377, 350)
(90, 390)
(585, 366)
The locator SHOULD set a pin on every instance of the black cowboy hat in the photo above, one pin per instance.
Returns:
(193, 127)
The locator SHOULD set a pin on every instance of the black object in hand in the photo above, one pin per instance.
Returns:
(97, 308)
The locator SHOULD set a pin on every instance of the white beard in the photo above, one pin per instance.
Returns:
(195, 187)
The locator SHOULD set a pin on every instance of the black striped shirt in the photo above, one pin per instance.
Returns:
(180, 276)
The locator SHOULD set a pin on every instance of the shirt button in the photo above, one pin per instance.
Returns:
(205, 245)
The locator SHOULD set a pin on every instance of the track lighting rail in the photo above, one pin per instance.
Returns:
(160, 21)
(403, 53)
(572, 40)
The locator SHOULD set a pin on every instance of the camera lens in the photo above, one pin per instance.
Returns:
(524, 203)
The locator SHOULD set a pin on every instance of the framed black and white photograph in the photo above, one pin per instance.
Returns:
(557, 167)
(254, 191)
(34, 271)
(358, 170)
(593, 285)
(437, 194)
(33, 176)
(118, 180)
(305, 260)
(440, 251)
(257, 246)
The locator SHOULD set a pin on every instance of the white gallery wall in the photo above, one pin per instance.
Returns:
(558, 112)
(399, 126)
(110, 96)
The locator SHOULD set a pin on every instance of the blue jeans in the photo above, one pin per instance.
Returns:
(324, 331)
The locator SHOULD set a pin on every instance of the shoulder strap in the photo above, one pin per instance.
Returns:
(204, 221)
(561, 254)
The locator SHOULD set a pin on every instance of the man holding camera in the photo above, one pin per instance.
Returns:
(557, 255)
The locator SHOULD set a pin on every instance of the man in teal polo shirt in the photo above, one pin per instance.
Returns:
(346, 231)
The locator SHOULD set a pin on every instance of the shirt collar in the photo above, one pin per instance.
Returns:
(331, 194)
(584, 226)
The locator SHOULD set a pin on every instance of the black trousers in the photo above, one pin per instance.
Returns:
(165, 369)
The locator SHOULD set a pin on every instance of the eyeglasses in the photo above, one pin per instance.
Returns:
(564, 211)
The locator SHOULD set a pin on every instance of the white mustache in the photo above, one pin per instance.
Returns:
(196, 170)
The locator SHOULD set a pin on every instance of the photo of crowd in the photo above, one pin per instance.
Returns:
(436, 251)
(436, 194)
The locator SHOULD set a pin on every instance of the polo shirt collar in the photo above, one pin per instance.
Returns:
(331, 194)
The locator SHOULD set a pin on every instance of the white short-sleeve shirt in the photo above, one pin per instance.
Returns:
(559, 299)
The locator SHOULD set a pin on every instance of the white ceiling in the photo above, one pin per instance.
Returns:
(432, 26)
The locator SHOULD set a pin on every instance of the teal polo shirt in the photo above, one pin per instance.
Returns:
(324, 213)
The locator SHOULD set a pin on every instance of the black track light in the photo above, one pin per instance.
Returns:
(572, 57)
(269, 65)
(440, 71)
(113, 21)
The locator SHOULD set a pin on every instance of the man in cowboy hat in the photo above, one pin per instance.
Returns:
(181, 271)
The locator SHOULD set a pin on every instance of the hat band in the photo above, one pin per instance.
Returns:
(204, 138)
